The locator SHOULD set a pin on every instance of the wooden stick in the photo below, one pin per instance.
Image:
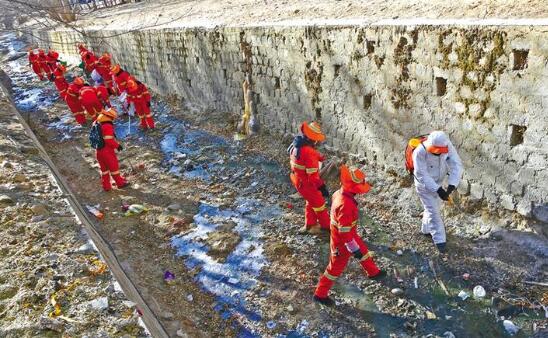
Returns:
(536, 283)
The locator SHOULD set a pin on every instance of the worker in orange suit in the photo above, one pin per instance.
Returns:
(52, 59)
(58, 78)
(89, 59)
(345, 240)
(103, 94)
(35, 64)
(305, 176)
(120, 78)
(106, 156)
(43, 61)
(90, 101)
(137, 93)
(103, 68)
(82, 49)
(72, 97)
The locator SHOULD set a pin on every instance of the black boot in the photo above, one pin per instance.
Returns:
(325, 301)
(441, 247)
(379, 276)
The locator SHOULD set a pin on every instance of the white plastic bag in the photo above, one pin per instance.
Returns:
(96, 77)
(131, 110)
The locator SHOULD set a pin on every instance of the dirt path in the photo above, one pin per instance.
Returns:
(178, 13)
(221, 218)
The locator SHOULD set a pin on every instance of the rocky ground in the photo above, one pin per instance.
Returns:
(169, 13)
(223, 218)
(52, 281)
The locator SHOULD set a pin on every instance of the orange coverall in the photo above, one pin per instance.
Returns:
(73, 102)
(344, 234)
(140, 97)
(35, 64)
(89, 100)
(108, 161)
(305, 177)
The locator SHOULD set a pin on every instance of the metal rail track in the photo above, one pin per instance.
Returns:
(150, 319)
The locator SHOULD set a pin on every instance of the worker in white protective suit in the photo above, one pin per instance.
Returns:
(433, 160)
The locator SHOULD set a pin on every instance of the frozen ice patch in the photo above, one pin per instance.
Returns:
(229, 281)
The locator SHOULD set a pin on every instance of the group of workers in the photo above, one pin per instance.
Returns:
(92, 102)
(432, 158)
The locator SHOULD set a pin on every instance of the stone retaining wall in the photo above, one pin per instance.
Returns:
(373, 87)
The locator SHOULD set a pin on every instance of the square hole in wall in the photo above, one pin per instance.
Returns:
(441, 86)
(370, 47)
(516, 136)
(367, 101)
(520, 58)
(337, 69)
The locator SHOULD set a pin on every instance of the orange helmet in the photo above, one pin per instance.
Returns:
(115, 68)
(132, 83)
(81, 47)
(107, 115)
(353, 180)
(106, 56)
(41, 51)
(312, 131)
(78, 81)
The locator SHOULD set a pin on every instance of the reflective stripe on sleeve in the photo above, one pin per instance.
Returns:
(117, 172)
(108, 137)
(368, 255)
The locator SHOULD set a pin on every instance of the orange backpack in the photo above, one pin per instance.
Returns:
(411, 146)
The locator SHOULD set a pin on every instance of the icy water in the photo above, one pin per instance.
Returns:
(192, 153)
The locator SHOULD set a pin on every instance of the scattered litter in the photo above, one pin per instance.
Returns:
(190, 298)
(100, 303)
(289, 206)
(85, 249)
(397, 276)
(135, 209)
(397, 291)
(510, 327)
(56, 307)
(271, 324)
(169, 277)
(125, 206)
(233, 281)
(399, 252)
(479, 291)
(466, 276)
(416, 282)
(95, 211)
(430, 315)
(448, 334)
(302, 326)
(463, 295)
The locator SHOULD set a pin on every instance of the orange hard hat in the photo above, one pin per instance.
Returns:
(115, 68)
(81, 46)
(106, 56)
(132, 83)
(41, 51)
(79, 81)
(353, 180)
(312, 131)
(107, 115)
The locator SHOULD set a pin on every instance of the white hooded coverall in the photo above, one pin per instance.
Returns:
(430, 172)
